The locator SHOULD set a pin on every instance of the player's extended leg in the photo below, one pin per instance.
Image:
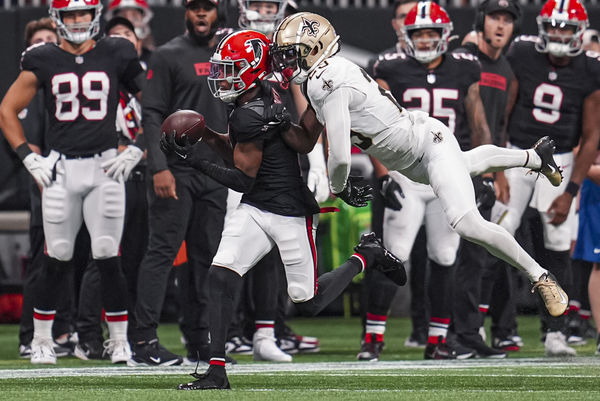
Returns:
(449, 177)
(61, 213)
(490, 158)
(104, 213)
(243, 244)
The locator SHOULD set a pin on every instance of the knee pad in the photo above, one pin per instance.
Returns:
(444, 257)
(298, 293)
(104, 247)
(60, 249)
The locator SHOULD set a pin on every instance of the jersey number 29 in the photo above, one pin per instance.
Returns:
(94, 86)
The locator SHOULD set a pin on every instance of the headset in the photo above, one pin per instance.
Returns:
(480, 15)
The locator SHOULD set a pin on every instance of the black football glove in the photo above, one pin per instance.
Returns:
(169, 145)
(391, 192)
(357, 192)
(485, 192)
(276, 116)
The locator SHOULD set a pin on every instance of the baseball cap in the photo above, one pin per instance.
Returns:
(509, 6)
(114, 21)
(189, 3)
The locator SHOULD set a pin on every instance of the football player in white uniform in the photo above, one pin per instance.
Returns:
(355, 110)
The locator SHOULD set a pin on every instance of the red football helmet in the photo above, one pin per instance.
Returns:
(241, 59)
(562, 14)
(427, 15)
(142, 28)
(76, 33)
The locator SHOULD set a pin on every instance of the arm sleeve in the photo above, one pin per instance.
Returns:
(336, 114)
(155, 107)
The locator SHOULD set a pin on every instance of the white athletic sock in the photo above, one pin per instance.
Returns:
(117, 325)
(490, 158)
(42, 323)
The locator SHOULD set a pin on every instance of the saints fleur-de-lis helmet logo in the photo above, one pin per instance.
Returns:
(310, 28)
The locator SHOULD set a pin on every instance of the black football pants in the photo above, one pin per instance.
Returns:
(197, 217)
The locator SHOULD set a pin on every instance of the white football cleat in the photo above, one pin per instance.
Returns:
(265, 348)
(556, 345)
(119, 350)
(42, 351)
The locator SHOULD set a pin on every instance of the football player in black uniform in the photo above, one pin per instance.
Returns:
(445, 86)
(277, 208)
(182, 204)
(82, 177)
(476, 281)
(559, 94)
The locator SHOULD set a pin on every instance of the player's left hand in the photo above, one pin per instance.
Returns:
(119, 167)
(357, 192)
(559, 209)
(169, 146)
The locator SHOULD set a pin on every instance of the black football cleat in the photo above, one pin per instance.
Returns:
(545, 149)
(212, 379)
(381, 259)
(370, 348)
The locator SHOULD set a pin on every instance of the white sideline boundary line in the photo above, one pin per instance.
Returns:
(330, 368)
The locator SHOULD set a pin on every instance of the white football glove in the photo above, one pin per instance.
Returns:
(122, 164)
(317, 180)
(39, 168)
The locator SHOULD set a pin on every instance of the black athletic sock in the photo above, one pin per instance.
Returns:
(52, 284)
(112, 284)
(559, 264)
(440, 290)
(224, 285)
(330, 285)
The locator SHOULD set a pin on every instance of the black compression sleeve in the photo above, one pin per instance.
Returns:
(233, 178)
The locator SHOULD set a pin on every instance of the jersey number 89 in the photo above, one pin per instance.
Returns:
(66, 87)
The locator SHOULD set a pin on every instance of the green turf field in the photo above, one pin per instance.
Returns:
(332, 374)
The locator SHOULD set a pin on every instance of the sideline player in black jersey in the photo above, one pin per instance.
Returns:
(445, 86)
(277, 208)
(559, 95)
(182, 205)
(82, 177)
(476, 278)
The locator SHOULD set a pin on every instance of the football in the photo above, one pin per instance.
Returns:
(185, 122)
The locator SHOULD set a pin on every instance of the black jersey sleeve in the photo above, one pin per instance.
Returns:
(130, 63)
(469, 66)
(32, 58)
(593, 65)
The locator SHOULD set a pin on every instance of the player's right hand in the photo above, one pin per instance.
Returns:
(391, 192)
(357, 192)
(39, 168)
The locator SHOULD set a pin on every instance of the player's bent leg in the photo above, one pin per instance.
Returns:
(490, 158)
